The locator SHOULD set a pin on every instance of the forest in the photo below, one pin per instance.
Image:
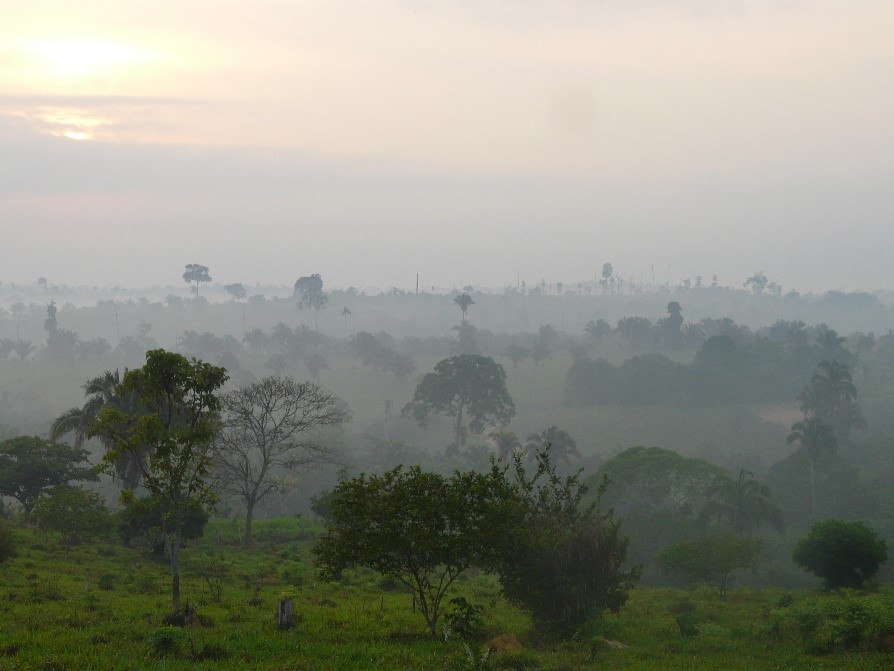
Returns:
(595, 474)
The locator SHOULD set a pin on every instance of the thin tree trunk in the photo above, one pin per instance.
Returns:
(812, 492)
(249, 517)
(174, 554)
(460, 439)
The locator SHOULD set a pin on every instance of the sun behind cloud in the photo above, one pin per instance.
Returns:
(76, 59)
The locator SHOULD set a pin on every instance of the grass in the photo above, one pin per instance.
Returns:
(102, 606)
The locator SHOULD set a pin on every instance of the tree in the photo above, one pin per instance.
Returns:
(743, 504)
(30, 466)
(420, 528)
(179, 402)
(269, 434)
(309, 294)
(462, 384)
(831, 397)
(815, 437)
(607, 276)
(598, 330)
(72, 511)
(196, 273)
(564, 559)
(101, 391)
(556, 441)
(516, 352)
(463, 301)
(842, 554)
(712, 559)
(236, 290)
(506, 442)
(758, 282)
(672, 324)
(346, 313)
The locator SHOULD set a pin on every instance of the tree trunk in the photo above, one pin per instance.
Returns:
(812, 492)
(249, 517)
(174, 554)
(460, 439)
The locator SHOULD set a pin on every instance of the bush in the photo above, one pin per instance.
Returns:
(140, 522)
(166, 641)
(464, 620)
(711, 559)
(842, 554)
(72, 511)
(845, 622)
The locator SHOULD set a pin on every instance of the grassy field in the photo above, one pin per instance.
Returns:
(101, 606)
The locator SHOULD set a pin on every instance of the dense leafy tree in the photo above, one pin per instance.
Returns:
(516, 353)
(757, 282)
(712, 559)
(742, 504)
(422, 529)
(180, 406)
(565, 560)
(236, 290)
(598, 330)
(196, 273)
(140, 522)
(842, 554)
(374, 353)
(73, 512)
(269, 433)
(30, 466)
(814, 437)
(466, 384)
(309, 294)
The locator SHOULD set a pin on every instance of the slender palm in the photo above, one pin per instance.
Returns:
(743, 503)
(506, 442)
(558, 442)
(814, 436)
(832, 397)
(101, 391)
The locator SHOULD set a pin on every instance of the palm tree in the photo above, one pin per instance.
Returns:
(102, 391)
(506, 442)
(344, 313)
(463, 301)
(597, 330)
(744, 503)
(814, 436)
(23, 348)
(832, 397)
(556, 441)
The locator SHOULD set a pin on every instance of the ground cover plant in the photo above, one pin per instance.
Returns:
(102, 606)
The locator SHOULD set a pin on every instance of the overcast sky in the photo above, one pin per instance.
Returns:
(467, 140)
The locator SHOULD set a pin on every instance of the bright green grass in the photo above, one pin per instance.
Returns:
(54, 615)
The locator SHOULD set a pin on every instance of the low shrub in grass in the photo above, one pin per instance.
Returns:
(166, 641)
(847, 621)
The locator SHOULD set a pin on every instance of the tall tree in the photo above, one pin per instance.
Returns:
(101, 391)
(553, 440)
(506, 442)
(196, 273)
(743, 504)
(180, 408)
(269, 433)
(465, 384)
(831, 397)
(814, 437)
(463, 301)
(236, 290)
(309, 294)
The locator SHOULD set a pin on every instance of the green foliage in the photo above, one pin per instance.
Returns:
(30, 466)
(166, 641)
(845, 622)
(176, 429)
(711, 559)
(421, 528)
(519, 660)
(463, 619)
(842, 554)
(565, 560)
(7, 543)
(72, 511)
(465, 384)
(140, 523)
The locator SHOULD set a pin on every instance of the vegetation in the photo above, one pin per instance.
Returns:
(842, 554)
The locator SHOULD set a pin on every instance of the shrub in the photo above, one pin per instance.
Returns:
(140, 521)
(464, 620)
(845, 622)
(7, 543)
(106, 582)
(842, 554)
(166, 641)
(711, 559)
(72, 511)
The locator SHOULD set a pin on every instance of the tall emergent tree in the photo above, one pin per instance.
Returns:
(269, 433)
(236, 290)
(180, 409)
(196, 273)
(465, 384)
(309, 294)
(463, 301)
(831, 397)
(815, 437)
(30, 466)
(742, 504)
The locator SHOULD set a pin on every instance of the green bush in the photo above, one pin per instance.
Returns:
(166, 641)
(106, 582)
(712, 559)
(464, 620)
(520, 660)
(140, 522)
(7, 543)
(842, 554)
(72, 511)
(845, 622)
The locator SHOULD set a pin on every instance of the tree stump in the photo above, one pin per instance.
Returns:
(286, 618)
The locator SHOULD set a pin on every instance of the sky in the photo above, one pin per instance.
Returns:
(470, 141)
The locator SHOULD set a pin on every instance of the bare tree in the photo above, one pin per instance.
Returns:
(270, 432)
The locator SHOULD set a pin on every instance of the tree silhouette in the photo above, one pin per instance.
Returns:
(506, 442)
(463, 301)
(814, 437)
(309, 294)
(196, 273)
(556, 441)
(743, 503)
(831, 396)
